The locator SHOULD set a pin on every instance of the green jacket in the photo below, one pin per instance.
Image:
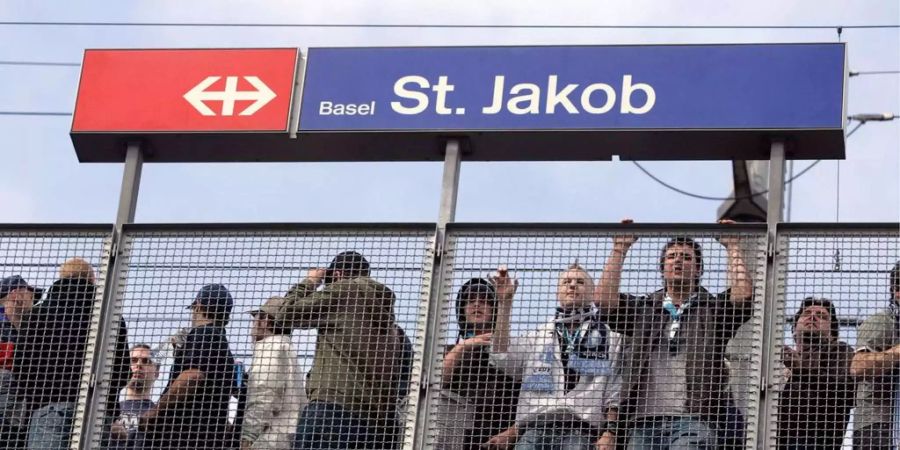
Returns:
(358, 350)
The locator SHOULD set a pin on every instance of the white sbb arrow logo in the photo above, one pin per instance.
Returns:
(198, 94)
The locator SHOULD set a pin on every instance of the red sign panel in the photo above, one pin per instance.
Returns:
(185, 90)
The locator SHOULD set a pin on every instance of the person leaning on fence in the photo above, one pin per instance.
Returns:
(138, 399)
(675, 391)
(567, 369)
(353, 386)
(51, 351)
(477, 399)
(17, 298)
(876, 366)
(276, 383)
(814, 404)
(192, 412)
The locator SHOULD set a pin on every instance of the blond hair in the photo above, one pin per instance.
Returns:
(76, 268)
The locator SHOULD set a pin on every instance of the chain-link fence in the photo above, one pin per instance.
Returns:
(236, 335)
(546, 337)
(837, 317)
(558, 338)
(52, 283)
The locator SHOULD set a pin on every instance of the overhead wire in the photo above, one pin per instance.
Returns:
(743, 197)
(441, 25)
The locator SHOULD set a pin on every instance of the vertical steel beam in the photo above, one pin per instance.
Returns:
(770, 306)
(449, 184)
(102, 338)
(131, 182)
(438, 264)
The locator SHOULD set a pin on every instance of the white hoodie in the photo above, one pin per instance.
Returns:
(275, 396)
(536, 359)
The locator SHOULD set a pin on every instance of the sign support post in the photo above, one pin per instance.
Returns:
(131, 183)
(446, 215)
(770, 304)
(98, 384)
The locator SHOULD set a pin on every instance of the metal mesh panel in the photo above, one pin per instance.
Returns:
(545, 368)
(838, 381)
(307, 357)
(50, 293)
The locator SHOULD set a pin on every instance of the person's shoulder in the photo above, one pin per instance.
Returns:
(881, 318)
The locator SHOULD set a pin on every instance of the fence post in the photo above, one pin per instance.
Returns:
(432, 313)
(102, 337)
(770, 308)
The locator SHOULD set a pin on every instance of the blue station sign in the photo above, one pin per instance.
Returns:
(674, 92)
(552, 103)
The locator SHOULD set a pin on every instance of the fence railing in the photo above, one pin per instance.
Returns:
(540, 336)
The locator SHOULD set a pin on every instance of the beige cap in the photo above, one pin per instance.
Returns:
(272, 306)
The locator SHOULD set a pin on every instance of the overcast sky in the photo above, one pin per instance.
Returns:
(43, 181)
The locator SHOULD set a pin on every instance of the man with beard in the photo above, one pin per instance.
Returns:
(675, 391)
(815, 403)
(566, 368)
(138, 393)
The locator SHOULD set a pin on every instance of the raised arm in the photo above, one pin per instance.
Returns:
(867, 365)
(606, 295)
(304, 307)
(506, 290)
(875, 353)
(739, 280)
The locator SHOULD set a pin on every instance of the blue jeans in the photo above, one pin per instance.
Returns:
(329, 426)
(51, 427)
(672, 433)
(553, 439)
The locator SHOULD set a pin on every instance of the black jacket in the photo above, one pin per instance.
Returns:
(51, 346)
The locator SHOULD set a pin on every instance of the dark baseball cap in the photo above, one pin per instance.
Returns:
(14, 282)
(215, 298)
(351, 262)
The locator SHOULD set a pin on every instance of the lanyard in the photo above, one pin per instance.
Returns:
(571, 339)
(675, 312)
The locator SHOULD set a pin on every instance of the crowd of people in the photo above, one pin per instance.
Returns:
(605, 370)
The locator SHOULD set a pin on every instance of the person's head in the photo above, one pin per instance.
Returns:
(144, 369)
(681, 261)
(476, 307)
(895, 282)
(349, 264)
(816, 321)
(264, 323)
(17, 297)
(575, 288)
(76, 268)
(212, 304)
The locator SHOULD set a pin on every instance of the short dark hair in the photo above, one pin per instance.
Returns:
(351, 264)
(895, 278)
(474, 288)
(143, 346)
(813, 301)
(687, 242)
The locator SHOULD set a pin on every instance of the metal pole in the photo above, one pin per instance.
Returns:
(790, 191)
(432, 313)
(89, 422)
(131, 183)
(770, 306)
(449, 184)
